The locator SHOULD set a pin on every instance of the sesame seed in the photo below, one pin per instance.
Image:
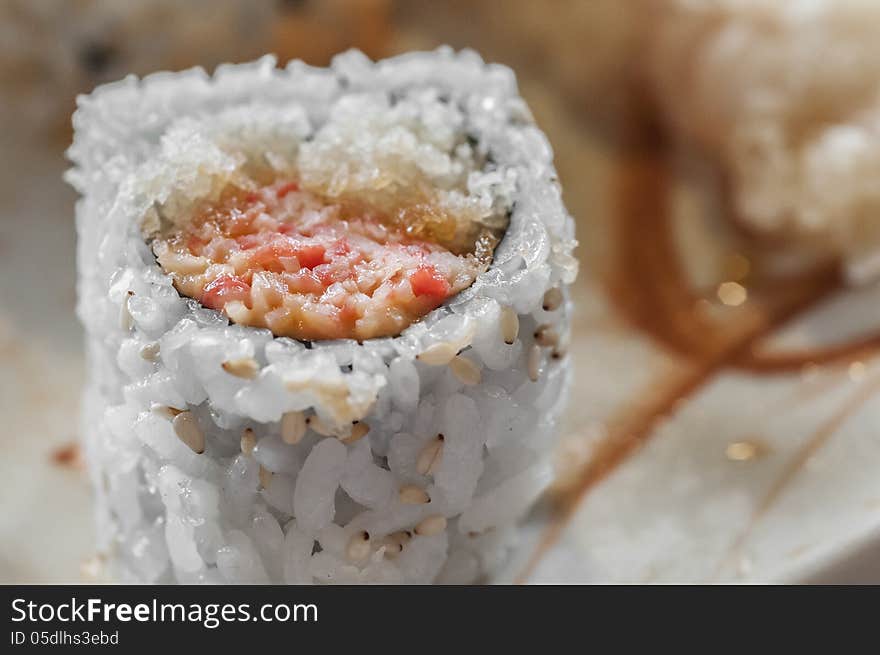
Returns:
(546, 335)
(125, 320)
(410, 494)
(188, 431)
(244, 367)
(429, 458)
(509, 325)
(465, 370)
(358, 430)
(534, 363)
(431, 526)
(265, 477)
(358, 547)
(740, 451)
(552, 299)
(293, 427)
(248, 441)
(437, 354)
(744, 451)
(165, 411)
(150, 351)
(395, 542)
(392, 548)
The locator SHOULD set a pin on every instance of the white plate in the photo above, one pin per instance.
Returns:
(804, 507)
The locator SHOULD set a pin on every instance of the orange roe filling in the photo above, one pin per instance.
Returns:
(286, 259)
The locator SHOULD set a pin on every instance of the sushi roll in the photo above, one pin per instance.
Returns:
(326, 317)
(794, 130)
(50, 50)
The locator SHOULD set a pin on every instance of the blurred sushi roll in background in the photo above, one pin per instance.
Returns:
(326, 317)
(50, 50)
(784, 96)
(547, 48)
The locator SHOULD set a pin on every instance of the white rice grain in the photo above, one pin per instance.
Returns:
(316, 485)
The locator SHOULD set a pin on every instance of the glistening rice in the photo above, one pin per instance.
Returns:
(221, 453)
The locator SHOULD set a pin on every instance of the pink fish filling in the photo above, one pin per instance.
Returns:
(286, 259)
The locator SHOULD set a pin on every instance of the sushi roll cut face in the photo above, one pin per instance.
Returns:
(355, 229)
(309, 267)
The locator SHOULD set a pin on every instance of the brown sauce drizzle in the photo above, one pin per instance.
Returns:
(68, 456)
(646, 284)
(770, 362)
